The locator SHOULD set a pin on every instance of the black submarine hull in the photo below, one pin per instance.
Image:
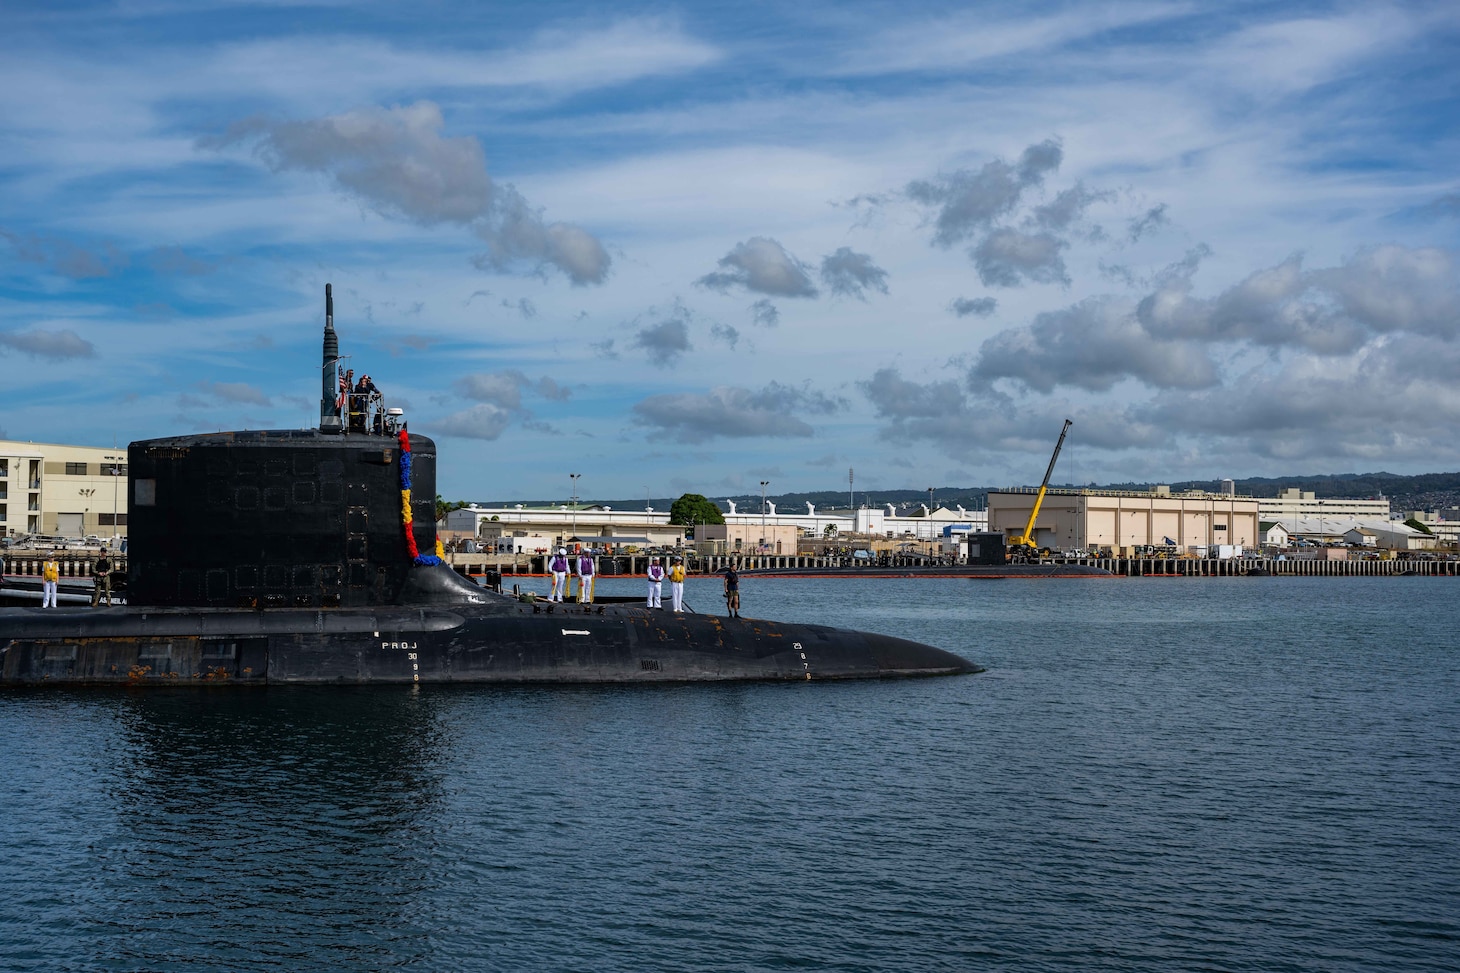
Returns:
(498, 641)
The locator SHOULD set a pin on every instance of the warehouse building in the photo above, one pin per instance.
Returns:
(1085, 520)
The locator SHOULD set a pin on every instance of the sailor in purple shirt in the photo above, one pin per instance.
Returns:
(585, 578)
(559, 568)
(656, 582)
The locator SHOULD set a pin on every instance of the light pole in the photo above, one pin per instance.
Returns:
(115, 473)
(574, 478)
(762, 514)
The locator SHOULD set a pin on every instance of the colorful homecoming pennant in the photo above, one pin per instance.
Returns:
(405, 506)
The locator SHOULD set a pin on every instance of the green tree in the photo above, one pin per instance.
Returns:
(829, 531)
(694, 508)
(443, 507)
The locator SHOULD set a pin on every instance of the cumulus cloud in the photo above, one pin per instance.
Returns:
(733, 412)
(1091, 345)
(1067, 208)
(980, 307)
(1443, 206)
(1392, 401)
(504, 389)
(393, 159)
(1394, 288)
(965, 426)
(1151, 220)
(522, 306)
(1329, 311)
(762, 265)
(484, 421)
(397, 162)
(665, 336)
(515, 231)
(850, 274)
(968, 201)
(1007, 257)
(765, 314)
(55, 345)
(726, 333)
(897, 398)
(66, 258)
(664, 341)
(235, 392)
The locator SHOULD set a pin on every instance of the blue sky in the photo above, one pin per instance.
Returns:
(691, 247)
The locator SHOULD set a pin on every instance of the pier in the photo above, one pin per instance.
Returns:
(28, 563)
(477, 565)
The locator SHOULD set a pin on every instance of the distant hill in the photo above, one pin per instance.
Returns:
(1426, 491)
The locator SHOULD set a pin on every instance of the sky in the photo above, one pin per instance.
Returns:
(691, 247)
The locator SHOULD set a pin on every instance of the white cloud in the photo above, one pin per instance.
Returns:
(763, 266)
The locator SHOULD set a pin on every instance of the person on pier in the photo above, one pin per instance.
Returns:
(559, 568)
(676, 584)
(656, 583)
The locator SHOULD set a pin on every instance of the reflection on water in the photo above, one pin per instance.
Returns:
(1184, 774)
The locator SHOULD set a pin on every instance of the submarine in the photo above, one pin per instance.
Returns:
(304, 556)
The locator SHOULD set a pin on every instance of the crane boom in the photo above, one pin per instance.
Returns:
(1025, 541)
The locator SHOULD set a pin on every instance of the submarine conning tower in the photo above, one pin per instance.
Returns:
(298, 518)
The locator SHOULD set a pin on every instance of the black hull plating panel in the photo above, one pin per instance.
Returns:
(466, 644)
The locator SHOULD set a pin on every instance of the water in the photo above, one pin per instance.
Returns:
(1221, 774)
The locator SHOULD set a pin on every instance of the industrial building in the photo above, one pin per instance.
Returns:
(749, 531)
(1291, 505)
(1084, 520)
(62, 491)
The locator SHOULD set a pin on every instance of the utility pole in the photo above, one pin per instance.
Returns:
(115, 473)
(574, 478)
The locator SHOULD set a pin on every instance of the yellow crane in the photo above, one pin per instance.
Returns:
(1024, 543)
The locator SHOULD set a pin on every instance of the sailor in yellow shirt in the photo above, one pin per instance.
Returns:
(676, 585)
(50, 574)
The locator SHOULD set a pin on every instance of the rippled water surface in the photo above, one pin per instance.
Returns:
(1182, 774)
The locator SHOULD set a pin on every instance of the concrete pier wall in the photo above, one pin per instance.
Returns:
(23, 563)
(637, 564)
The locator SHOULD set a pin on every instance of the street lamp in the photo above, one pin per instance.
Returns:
(115, 473)
(574, 478)
(762, 513)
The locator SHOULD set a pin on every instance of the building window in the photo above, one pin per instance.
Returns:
(105, 520)
(75, 469)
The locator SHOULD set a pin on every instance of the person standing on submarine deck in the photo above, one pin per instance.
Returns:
(676, 584)
(585, 577)
(558, 566)
(656, 583)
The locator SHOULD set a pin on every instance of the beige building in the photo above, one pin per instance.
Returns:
(64, 491)
(746, 537)
(589, 523)
(1292, 504)
(1071, 520)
